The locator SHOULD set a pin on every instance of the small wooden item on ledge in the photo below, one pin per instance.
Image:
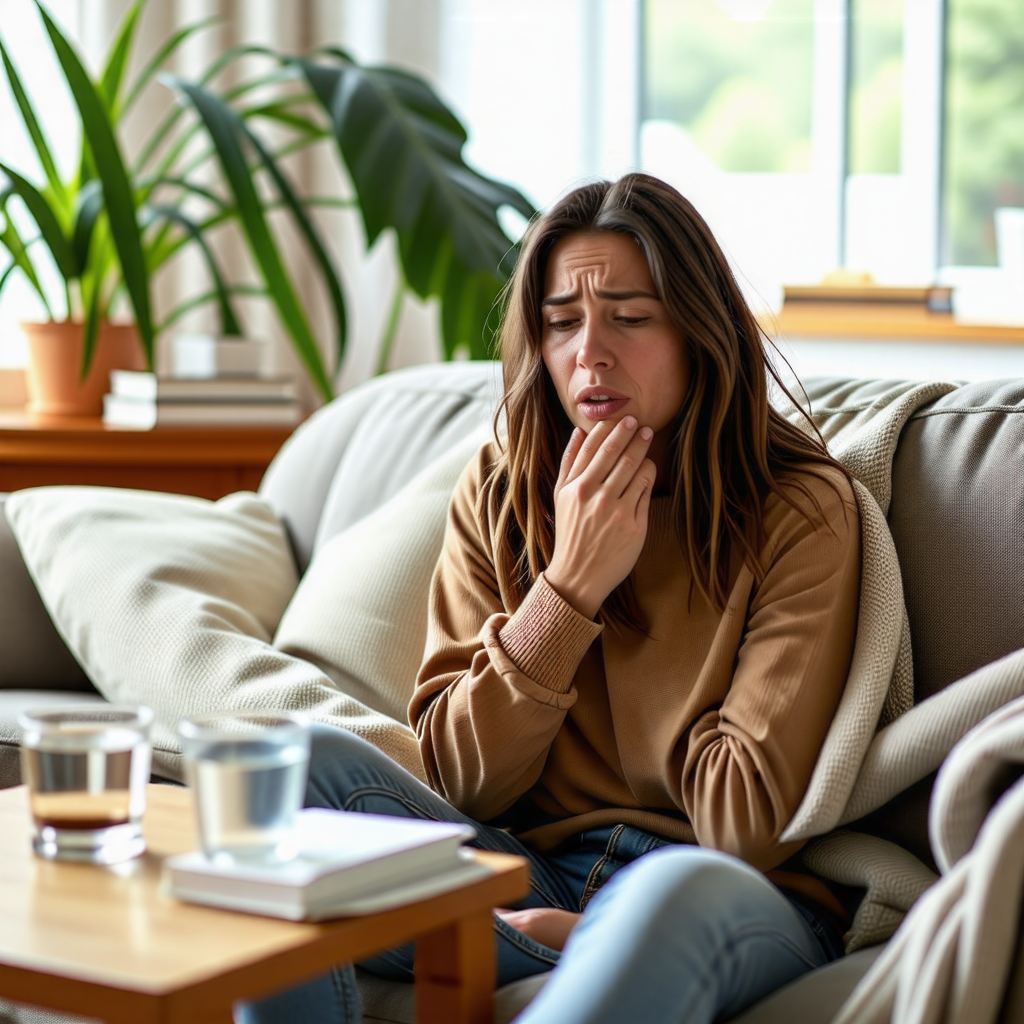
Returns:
(851, 305)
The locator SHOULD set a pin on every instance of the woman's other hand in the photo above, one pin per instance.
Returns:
(546, 925)
(602, 497)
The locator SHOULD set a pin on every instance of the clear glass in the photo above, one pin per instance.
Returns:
(248, 774)
(984, 158)
(87, 767)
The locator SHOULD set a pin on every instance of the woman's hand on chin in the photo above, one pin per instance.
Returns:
(602, 497)
(546, 925)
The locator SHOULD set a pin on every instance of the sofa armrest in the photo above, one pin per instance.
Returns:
(33, 657)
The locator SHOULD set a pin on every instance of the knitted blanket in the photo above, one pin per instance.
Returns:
(879, 744)
(955, 960)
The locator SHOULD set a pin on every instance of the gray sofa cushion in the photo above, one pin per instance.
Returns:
(957, 518)
(32, 654)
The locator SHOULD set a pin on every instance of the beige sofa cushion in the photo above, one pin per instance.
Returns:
(172, 601)
(360, 612)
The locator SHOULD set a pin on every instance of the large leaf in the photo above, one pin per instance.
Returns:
(12, 241)
(228, 321)
(229, 136)
(117, 62)
(118, 196)
(46, 220)
(403, 150)
(36, 134)
(312, 237)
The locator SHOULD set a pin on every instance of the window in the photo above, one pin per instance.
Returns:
(874, 134)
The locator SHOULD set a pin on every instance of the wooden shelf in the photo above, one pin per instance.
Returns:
(882, 322)
(207, 461)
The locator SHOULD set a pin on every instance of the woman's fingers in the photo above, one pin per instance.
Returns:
(604, 450)
(637, 495)
(590, 445)
(628, 464)
(572, 450)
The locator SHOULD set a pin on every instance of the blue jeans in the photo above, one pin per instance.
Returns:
(682, 932)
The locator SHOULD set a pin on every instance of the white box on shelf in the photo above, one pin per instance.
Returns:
(207, 355)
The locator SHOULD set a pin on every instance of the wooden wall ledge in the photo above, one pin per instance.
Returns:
(862, 321)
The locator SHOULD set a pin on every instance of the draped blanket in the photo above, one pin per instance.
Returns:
(953, 958)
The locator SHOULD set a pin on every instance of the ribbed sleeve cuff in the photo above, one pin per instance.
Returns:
(546, 638)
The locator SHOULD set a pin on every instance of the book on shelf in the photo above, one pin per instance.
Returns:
(152, 387)
(207, 355)
(346, 864)
(935, 298)
(122, 411)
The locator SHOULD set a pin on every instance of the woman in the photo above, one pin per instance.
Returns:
(640, 626)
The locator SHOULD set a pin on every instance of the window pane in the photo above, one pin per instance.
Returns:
(876, 86)
(736, 75)
(984, 159)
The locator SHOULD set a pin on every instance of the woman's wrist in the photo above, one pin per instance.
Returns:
(573, 592)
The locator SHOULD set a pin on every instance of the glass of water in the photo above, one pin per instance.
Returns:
(87, 767)
(248, 775)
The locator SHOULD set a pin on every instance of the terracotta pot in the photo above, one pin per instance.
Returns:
(54, 356)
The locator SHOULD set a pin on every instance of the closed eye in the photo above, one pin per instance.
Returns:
(562, 325)
(634, 321)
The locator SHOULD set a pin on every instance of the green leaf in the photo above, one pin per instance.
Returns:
(46, 220)
(228, 133)
(35, 132)
(252, 291)
(327, 269)
(162, 55)
(228, 321)
(90, 206)
(113, 73)
(12, 241)
(403, 149)
(118, 196)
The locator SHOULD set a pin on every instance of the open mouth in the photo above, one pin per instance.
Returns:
(600, 406)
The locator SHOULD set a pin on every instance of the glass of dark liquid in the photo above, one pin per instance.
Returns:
(87, 767)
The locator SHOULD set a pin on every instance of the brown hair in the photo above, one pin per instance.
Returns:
(729, 445)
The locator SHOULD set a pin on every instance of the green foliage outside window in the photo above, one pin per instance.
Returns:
(742, 90)
(984, 124)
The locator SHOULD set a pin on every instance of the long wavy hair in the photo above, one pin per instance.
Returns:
(729, 447)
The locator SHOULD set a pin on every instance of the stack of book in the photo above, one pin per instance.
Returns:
(346, 864)
(144, 400)
(213, 380)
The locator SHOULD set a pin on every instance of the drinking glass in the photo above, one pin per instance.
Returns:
(87, 767)
(248, 775)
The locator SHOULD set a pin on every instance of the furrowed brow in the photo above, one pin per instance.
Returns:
(564, 300)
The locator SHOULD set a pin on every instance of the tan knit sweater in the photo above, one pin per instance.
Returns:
(707, 729)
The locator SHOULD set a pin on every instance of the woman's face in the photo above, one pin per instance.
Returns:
(607, 341)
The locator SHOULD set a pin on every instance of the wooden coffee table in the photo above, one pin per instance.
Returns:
(109, 943)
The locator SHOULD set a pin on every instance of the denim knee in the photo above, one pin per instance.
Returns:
(708, 890)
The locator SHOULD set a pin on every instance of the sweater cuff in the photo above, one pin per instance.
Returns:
(546, 638)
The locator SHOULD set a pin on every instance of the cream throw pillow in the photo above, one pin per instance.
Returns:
(360, 612)
(172, 601)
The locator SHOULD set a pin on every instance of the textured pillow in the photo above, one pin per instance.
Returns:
(172, 601)
(360, 612)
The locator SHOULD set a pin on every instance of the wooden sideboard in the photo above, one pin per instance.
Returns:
(207, 461)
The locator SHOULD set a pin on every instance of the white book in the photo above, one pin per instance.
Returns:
(151, 387)
(347, 864)
(207, 355)
(120, 411)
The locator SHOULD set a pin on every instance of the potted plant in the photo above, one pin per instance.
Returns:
(114, 225)
(98, 228)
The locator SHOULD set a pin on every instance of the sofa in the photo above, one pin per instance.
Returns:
(341, 486)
